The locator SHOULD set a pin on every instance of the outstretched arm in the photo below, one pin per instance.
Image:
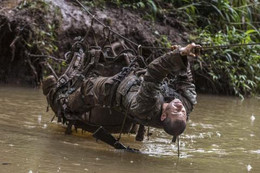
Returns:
(184, 84)
(146, 102)
(185, 88)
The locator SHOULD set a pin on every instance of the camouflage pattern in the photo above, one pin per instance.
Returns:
(141, 97)
(145, 101)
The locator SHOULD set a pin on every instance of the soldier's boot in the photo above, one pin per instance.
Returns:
(140, 133)
(48, 84)
(134, 129)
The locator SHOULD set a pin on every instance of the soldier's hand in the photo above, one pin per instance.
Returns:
(189, 50)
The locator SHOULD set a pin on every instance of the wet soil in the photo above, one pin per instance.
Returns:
(46, 27)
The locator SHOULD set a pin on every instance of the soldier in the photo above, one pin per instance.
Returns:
(142, 98)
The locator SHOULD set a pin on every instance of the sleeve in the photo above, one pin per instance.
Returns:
(159, 68)
(143, 102)
(185, 87)
(147, 100)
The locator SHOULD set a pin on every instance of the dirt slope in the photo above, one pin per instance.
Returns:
(48, 27)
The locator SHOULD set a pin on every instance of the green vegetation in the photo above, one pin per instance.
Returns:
(43, 38)
(233, 70)
(230, 70)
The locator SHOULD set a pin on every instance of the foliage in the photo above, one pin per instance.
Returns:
(44, 36)
(163, 41)
(233, 70)
(217, 14)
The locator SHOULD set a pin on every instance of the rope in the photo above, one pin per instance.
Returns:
(178, 144)
(204, 47)
(123, 124)
(229, 45)
(150, 47)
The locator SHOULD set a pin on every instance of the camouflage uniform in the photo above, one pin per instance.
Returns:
(141, 97)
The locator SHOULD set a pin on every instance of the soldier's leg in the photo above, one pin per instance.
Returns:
(140, 134)
(48, 84)
(48, 87)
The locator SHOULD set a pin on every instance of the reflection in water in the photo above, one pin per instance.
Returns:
(222, 136)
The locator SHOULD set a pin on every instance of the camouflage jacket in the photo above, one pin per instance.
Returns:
(141, 97)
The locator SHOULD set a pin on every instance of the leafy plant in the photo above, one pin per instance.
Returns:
(233, 70)
(217, 14)
(44, 38)
(164, 42)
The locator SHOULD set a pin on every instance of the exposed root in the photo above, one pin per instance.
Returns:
(12, 46)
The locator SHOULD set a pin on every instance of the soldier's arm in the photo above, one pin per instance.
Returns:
(184, 84)
(146, 101)
(186, 89)
(159, 68)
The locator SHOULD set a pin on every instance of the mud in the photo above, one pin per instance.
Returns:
(49, 27)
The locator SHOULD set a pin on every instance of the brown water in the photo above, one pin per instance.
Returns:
(222, 136)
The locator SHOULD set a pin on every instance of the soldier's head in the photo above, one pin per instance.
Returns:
(174, 117)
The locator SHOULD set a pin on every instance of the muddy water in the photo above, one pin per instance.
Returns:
(222, 136)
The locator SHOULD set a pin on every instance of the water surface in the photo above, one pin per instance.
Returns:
(222, 136)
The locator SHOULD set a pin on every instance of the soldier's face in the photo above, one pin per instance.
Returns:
(174, 109)
(174, 117)
(177, 108)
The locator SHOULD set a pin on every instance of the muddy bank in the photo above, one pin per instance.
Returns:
(45, 27)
